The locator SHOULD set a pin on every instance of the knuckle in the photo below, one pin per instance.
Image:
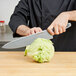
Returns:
(34, 27)
(31, 29)
(39, 28)
(56, 24)
(59, 25)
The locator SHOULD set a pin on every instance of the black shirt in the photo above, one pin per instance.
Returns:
(41, 13)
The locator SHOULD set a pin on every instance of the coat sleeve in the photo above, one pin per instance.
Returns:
(75, 5)
(20, 16)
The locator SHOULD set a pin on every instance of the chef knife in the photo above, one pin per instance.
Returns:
(24, 41)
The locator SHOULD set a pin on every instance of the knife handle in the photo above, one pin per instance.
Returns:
(68, 26)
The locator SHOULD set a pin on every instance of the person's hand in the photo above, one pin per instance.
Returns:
(33, 31)
(59, 24)
(23, 30)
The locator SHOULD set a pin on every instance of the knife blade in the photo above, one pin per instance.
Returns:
(24, 41)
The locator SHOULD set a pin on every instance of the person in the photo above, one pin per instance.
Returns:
(32, 16)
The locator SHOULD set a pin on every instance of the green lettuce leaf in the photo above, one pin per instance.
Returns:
(41, 50)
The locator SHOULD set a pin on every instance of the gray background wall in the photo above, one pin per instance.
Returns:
(6, 9)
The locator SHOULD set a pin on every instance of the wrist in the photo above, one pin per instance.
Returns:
(67, 14)
(22, 29)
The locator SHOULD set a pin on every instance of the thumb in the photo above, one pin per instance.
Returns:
(50, 29)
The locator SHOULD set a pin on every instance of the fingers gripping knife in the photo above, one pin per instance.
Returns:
(24, 41)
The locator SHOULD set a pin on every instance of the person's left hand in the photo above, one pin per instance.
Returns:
(59, 24)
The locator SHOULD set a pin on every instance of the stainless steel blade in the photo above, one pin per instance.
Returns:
(24, 41)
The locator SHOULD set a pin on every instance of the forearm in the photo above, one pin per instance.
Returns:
(21, 30)
(71, 15)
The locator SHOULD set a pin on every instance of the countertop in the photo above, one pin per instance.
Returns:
(16, 64)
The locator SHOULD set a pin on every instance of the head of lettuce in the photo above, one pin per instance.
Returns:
(41, 50)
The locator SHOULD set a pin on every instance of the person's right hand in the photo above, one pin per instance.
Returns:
(33, 31)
